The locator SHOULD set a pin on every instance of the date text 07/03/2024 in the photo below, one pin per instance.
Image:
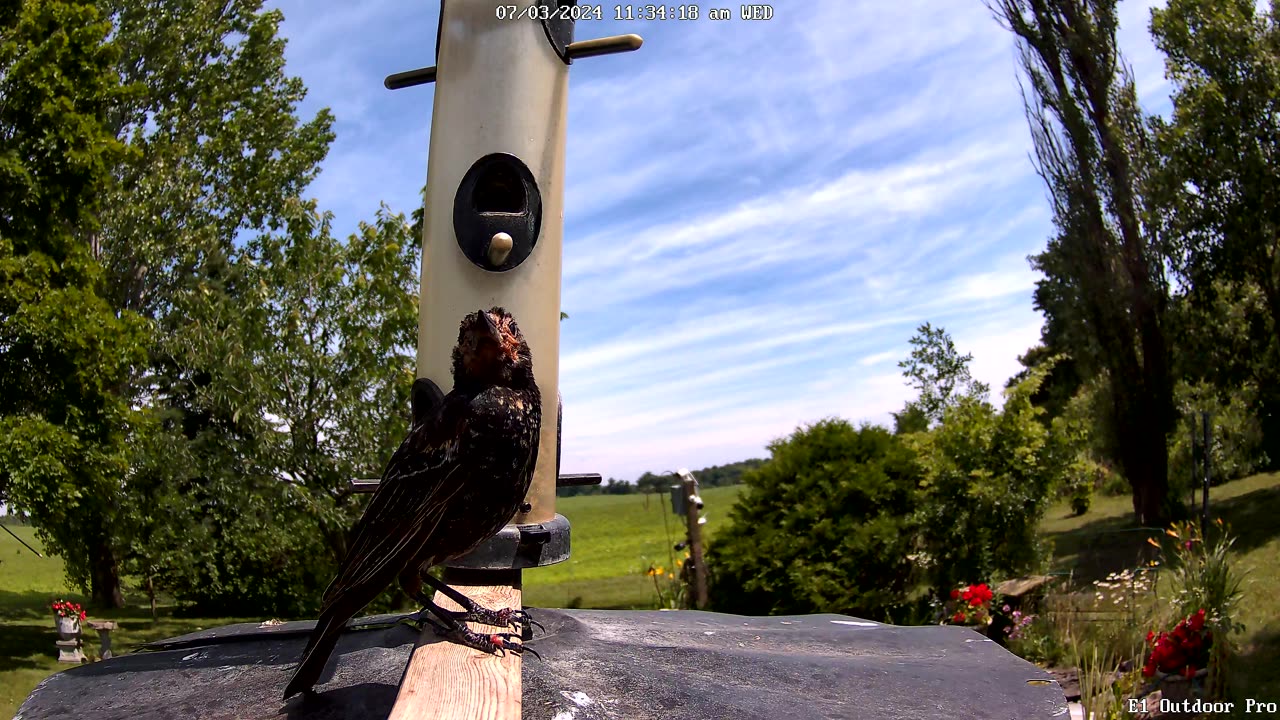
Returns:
(542, 11)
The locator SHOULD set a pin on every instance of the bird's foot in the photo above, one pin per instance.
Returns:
(421, 619)
(495, 643)
(504, 618)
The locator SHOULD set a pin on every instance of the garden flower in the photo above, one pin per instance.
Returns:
(971, 603)
(1182, 650)
(66, 608)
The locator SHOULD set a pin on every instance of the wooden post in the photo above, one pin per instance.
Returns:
(695, 544)
(447, 681)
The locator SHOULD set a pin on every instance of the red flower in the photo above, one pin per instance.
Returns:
(955, 594)
(958, 617)
(1197, 620)
(1182, 650)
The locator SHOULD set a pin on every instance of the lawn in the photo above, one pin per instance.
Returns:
(27, 654)
(1105, 540)
(614, 538)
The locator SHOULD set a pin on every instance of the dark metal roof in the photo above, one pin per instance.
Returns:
(596, 664)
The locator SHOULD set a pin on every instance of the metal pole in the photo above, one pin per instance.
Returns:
(1204, 492)
(24, 542)
(1194, 475)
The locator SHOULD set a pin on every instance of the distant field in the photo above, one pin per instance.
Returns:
(615, 537)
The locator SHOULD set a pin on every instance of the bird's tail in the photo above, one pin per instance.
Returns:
(323, 640)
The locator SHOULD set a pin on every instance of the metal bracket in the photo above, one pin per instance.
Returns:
(370, 485)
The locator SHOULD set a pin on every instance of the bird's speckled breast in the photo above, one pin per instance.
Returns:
(500, 448)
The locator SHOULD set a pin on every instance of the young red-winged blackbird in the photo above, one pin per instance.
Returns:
(458, 477)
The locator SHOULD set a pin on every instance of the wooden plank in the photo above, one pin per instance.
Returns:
(695, 544)
(447, 681)
(1018, 587)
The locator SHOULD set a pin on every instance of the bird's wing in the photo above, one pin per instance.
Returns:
(407, 507)
(424, 399)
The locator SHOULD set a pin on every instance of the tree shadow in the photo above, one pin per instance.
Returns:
(28, 606)
(1257, 667)
(1250, 517)
(20, 644)
(1102, 547)
(1112, 544)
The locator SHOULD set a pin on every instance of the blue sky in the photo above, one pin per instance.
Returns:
(758, 214)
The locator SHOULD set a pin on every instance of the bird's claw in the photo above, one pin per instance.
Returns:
(496, 643)
(504, 618)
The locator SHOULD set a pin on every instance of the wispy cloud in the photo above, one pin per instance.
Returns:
(758, 215)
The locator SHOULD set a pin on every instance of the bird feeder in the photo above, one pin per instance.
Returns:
(494, 220)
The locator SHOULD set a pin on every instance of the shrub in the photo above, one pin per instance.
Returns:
(1236, 435)
(1036, 640)
(822, 526)
(1081, 495)
(987, 479)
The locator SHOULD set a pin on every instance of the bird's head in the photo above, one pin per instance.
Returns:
(491, 351)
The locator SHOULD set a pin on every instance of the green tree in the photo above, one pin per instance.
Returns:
(1105, 292)
(66, 353)
(220, 155)
(987, 476)
(1219, 183)
(939, 373)
(342, 318)
(321, 335)
(822, 526)
(728, 474)
(650, 483)
(219, 147)
(1062, 383)
(911, 419)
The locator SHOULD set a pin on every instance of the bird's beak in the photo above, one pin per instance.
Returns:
(491, 327)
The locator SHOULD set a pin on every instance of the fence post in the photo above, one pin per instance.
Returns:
(695, 543)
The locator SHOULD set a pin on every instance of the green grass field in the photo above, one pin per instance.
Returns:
(615, 537)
